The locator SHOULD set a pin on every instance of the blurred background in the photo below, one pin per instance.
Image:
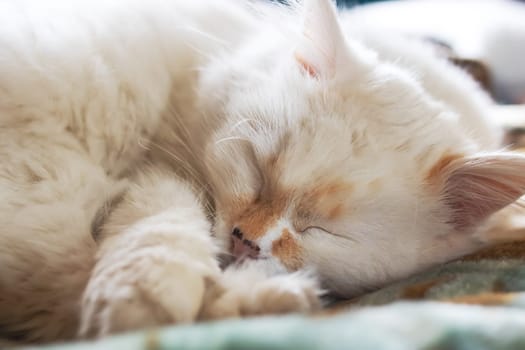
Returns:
(485, 37)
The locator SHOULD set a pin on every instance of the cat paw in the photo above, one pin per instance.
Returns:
(250, 293)
(284, 294)
(141, 293)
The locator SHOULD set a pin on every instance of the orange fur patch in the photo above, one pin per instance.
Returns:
(419, 290)
(288, 251)
(490, 299)
(326, 200)
(261, 215)
(336, 212)
(436, 170)
(508, 250)
(306, 66)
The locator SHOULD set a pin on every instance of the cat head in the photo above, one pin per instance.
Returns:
(332, 159)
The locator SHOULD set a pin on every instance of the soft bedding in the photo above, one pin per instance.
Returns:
(403, 325)
(495, 321)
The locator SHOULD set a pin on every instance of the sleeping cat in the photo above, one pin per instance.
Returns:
(140, 139)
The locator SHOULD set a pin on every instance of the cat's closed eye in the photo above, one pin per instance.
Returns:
(311, 229)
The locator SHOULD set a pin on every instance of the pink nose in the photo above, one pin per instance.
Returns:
(242, 247)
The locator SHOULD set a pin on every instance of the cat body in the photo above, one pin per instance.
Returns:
(139, 140)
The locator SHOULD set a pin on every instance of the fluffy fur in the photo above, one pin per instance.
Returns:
(136, 139)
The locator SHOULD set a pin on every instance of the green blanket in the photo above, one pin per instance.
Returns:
(398, 326)
(427, 325)
(395, 317)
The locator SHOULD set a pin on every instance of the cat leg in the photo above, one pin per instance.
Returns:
(156, 254)
(250, 289)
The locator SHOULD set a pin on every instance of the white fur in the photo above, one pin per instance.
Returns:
(169, 110)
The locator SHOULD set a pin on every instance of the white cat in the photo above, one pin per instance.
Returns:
(138, 138)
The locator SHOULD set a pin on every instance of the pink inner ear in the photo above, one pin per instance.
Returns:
(477, 187)
(321, 43)
(306, 66)
(475, 199)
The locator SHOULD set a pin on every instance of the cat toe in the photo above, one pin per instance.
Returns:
(288, 293)
(280, 294)
(168, 293)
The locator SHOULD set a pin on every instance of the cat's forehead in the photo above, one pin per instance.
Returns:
(331, 151)
(388, 111)
(305, 132)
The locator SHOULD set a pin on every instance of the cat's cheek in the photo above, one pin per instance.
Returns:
(288, 251)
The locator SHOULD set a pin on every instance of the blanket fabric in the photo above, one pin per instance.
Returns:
(474, 303)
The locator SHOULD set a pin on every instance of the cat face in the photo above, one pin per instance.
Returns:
(332, 160)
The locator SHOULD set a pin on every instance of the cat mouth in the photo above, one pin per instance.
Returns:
(227, 258)
(248, 257)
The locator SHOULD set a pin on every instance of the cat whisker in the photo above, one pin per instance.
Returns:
(181, 138)
(142, 145)
(206, 35)
(188, 169)
(231, 138)
(240, 122)
(330, 233)
(416, 213)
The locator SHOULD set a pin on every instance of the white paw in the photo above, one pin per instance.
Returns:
(284, 294)
(142, 292)
(249, 293)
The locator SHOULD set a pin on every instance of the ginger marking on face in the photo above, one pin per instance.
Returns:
(327, 200)
(263, 214)
(288, 251)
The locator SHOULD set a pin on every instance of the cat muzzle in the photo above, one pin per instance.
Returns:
(242, 247)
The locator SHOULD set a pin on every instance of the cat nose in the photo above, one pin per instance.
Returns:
(242, 247)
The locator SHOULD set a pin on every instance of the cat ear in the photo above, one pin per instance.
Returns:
(321, 45)
(478, 186)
